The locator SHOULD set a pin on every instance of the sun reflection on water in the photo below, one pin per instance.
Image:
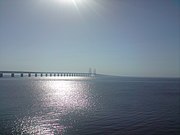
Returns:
(69, 95)
(56, 99)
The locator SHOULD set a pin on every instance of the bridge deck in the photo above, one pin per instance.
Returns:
(44, 73)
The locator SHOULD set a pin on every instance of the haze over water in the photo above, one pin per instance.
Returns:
(117, 37)
(89, 106)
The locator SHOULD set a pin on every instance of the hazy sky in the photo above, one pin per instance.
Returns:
(117, 37)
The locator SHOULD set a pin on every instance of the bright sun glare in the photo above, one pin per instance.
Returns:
(79, 4)
(75, 2)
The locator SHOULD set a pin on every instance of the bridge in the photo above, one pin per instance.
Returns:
(45, 74)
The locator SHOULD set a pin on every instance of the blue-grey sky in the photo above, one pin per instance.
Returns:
(117, 37)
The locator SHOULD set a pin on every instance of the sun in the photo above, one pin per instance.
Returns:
(75, 2)
(79, 5)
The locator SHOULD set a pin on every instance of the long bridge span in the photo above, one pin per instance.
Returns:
(45, 74)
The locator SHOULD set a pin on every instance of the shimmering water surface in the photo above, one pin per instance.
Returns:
(89, 106)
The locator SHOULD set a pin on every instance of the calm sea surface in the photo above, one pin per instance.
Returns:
(84, 106)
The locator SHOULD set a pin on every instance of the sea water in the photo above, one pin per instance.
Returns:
(89, 106)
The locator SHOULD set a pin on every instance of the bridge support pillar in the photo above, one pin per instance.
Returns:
(50, 74)
(12, 74)
(35, 74)
(41, 75)
(46, 75)
(29, 74)
(21, 74)
(1, 74)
